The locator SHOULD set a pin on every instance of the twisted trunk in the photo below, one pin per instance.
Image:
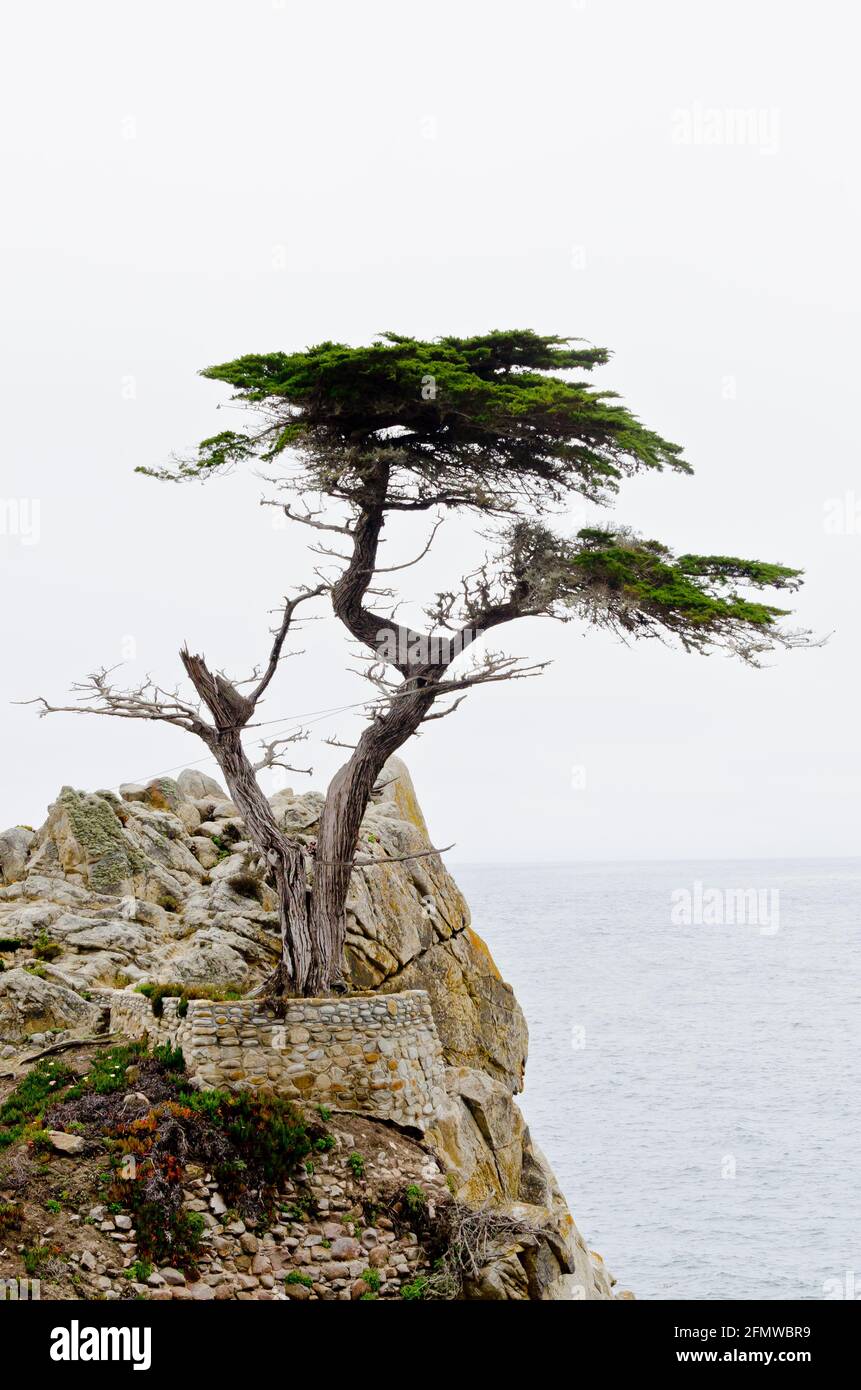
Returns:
(300, 954)
(346, 802)
(350, 789)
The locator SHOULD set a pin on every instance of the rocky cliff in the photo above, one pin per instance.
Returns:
(158, 885)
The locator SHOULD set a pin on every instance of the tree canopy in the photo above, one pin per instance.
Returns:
(502, 424)
(472, 421)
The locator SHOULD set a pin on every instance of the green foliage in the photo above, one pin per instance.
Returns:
(504, 424)
(39, 1088)
(34, 1257)
(11, 1217)
(44, 948)
(640, 587)
(10, 943)
(167, 1234)
(108, 1069)
(470, 414)
(171, 1058)
(414, 1198)
(372, 1279)
(300, 1209)
(158, 993)
(416, 1289)
(266, 1133)
(224, 843)
(356, 1164)
(295, 1277)
(139, 1271)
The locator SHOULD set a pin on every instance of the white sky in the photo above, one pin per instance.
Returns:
(185, 182)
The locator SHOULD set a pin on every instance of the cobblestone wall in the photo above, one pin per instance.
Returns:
(376, 1054)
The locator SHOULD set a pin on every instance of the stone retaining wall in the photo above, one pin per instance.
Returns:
(377, 1054)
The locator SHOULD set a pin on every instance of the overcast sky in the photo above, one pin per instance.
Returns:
(185, 182)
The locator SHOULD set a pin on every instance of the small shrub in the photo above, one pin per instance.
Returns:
(139, 1271)
(157, 994)
(247, 887)
(10, 943)
(294, 1277)
(269, 1136)
(46, 949)
(171, 1058)
(356, 1164)
(416, 1290)
(414, 1198)
(11, 1217)
(372, 1279)
(34, 1256)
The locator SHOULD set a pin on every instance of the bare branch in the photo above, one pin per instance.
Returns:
(272, 753)
(391, 569)
(494, 668)
(309, 519)
(147, 701)
(443, 713)
(280, 637)
(381, 863)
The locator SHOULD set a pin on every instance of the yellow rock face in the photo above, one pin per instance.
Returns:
(408, 928)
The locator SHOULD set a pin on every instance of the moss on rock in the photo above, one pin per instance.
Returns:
(111, 859)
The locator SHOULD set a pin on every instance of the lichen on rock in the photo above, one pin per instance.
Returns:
(90, 839)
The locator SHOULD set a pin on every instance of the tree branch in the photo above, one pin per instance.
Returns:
(280, 637)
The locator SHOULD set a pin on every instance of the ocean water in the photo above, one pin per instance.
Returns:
(695, 1083)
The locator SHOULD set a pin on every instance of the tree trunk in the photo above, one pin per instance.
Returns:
(346, 802)
(300, 955)
(231, 711)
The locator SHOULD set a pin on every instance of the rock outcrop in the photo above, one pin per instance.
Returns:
(160, 885)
